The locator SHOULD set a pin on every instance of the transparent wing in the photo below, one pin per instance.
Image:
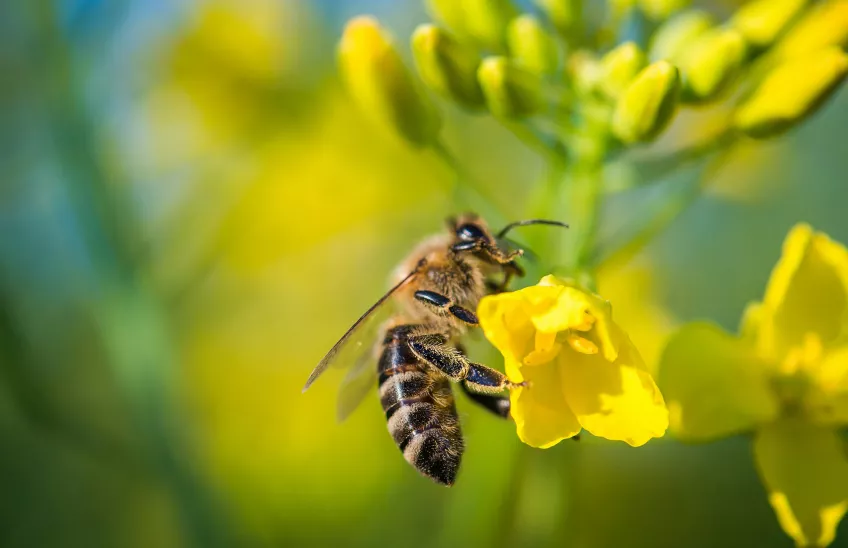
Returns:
(359, 381)
(349, 348)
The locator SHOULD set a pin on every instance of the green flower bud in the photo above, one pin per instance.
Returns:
(531, 45)
(660, 10)
(487, 20)
(648, 104)
(446, 66)
(675, 35)
(511, 91)
(711, 63)
(761, 22)
(377, 78)
(619, 67)
(483, 21)
(564, 14)
(450, 13)
(825, 24)
(791, 93)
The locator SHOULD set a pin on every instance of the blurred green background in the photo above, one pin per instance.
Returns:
(192, 212)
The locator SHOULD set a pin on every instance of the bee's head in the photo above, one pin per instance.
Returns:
(471, 233)
(470, 228)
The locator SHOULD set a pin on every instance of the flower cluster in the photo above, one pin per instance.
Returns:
(561, 69)
(586, 88)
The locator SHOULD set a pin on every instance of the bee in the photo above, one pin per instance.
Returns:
(418, 353)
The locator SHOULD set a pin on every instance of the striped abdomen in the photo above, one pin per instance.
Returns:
(420, 410)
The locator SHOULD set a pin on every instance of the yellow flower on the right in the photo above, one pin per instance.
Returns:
(784, 378)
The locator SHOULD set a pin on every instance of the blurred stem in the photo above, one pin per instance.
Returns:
(35, 403)
(548, 146)
(580, 197)
(655, 223)
(464, 179)
(507, 521)
(133, 326)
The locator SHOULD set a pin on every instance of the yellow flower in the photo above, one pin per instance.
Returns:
(583, 370)
(785, 377)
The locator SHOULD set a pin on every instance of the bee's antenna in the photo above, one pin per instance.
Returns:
(526, 222)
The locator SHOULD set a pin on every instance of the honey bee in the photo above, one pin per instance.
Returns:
(418, 352)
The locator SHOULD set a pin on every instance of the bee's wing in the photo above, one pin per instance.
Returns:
(358, 382)
(351, 342)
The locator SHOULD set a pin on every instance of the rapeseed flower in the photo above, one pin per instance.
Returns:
(784, 378)
(583, 370)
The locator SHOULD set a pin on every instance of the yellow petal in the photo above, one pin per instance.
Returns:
(807, 292)
(805, 470)
(829, 402)
(555, 309)
(506, 324)
(792, 92)
(823, 25)
(762, 21)
(542, 418)
(749, 327)
(618, 400)
(714, 384)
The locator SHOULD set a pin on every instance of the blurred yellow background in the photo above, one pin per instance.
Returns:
(192, 213)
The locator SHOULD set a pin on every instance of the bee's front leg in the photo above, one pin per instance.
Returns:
(509, 270)
(442, 302)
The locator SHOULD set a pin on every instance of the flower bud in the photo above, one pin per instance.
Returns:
(825, 24)
(377, 78)
(446, 66)
(531, 45)
(791, 93)
(648, 103)
(564, 14)
(619, 67)
(761, 22)
(511, 91)
(711, 63)
(675, 35)
(660, 10)
(451, 14)
(483, 21)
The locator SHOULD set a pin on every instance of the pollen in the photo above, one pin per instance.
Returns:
(581, 344)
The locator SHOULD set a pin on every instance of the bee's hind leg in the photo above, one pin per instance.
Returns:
(494, 403)
(497, 404)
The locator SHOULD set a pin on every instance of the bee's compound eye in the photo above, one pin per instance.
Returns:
(470, 232)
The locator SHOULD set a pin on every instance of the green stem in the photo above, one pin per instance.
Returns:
(581, 194)
(466, 182)
(548, 146)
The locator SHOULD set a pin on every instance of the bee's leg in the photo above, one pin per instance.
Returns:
(433, 349)
(495, 403)
(509, 270)
(441, 302)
